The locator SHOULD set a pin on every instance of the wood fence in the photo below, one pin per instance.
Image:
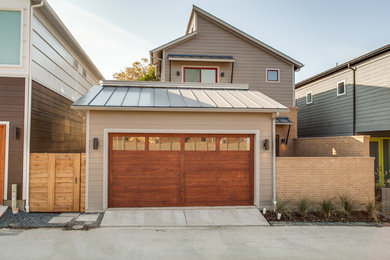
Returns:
(57, 182)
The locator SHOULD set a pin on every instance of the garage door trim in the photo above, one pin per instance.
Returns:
(256, 151)
(6, 154)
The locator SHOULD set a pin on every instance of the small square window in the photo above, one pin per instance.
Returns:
(309, 98)
(272, 75)
(341, 90)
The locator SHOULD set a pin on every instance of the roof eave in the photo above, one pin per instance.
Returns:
(182, 109)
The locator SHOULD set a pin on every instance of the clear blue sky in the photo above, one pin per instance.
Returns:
(318, 33)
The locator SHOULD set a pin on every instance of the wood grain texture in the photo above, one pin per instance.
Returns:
(180, 178)
(55, 184)
(2, 161)
(55, 127)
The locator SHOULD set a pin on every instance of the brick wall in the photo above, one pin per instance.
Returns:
(332, 146)
(281, 130)
(317, 178)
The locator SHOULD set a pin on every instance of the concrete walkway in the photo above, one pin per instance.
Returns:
(198, 243)
(185, 217)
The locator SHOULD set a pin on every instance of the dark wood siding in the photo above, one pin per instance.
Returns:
(12, 110)
(55, 126)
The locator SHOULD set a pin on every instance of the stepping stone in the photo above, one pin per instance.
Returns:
(88, 217)
(60, 220)
(69, 214)
(3, 209)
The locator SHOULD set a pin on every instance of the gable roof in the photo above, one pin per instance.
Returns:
(197, 10)
(345, 65)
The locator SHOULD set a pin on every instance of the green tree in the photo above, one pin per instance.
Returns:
(140, 70)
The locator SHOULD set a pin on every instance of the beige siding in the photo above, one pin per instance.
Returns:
(251, 61)
(54, 62)
(99, 120)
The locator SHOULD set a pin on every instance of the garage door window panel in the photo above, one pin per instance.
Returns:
(128, 143)
(163, 143)
(199, 143)
(234, 144)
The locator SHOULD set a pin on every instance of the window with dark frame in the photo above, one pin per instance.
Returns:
(272, 75)
(201, 75)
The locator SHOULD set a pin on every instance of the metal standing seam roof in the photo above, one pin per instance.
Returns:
(168, 97)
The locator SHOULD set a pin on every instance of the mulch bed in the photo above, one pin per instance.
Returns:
(356, 216)
(40, 220)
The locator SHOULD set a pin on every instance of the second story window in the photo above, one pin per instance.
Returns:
(272, 75)
(10, 37)
(309, 97)
(341, 90)
(202, 75)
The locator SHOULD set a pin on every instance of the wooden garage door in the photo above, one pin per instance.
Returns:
(161, 170)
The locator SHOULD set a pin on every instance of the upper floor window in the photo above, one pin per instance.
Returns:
(202, 75)
(273, 75)
(309, 97)
(10, 37)
(341, 90)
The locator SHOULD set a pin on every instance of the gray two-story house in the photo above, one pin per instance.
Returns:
(349, 99)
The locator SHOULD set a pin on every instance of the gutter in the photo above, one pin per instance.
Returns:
(27, 130)
(274, 116)
(353, 98)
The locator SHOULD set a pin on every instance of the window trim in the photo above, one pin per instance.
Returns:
(266, 75)
(337, 87)
(311, 95)
(216, 68)
(20, 65)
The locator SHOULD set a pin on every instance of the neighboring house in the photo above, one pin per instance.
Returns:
(43, 70)
(349, 99)
(204, 136)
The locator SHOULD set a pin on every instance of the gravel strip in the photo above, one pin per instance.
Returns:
(354, 224)
(40, 220)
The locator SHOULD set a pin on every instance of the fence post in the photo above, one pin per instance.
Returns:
(51, 171)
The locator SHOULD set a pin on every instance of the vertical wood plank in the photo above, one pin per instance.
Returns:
(82, 182)
(76, 183)
(51, 171)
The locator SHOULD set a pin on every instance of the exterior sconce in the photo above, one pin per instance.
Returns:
(222, 74)
(283, 141)
(16, 132)
(178, 73)
(266, 144)
(95, 143)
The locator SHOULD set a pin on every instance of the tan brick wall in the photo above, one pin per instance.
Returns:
(318, 178)
(281, 130)
(337, 146)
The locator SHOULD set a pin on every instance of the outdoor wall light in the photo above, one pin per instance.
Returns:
(16, 132)
(178, 73)
(222, 74)
(266, 144)
(95, 143)
(283, 141)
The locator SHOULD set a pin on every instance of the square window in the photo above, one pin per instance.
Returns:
(309, 98)
(272, 75)
(341, 88)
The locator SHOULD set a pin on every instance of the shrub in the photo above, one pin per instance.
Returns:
(282, 207)
(347, 205)
(371, 209)
(327, 207)
(303, 206)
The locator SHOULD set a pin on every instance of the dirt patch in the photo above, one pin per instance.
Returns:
(356, 216)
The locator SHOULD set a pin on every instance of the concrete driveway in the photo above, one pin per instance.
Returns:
(184, 217)
(198, 243)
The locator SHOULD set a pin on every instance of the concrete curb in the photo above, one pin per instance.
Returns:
(3, 209)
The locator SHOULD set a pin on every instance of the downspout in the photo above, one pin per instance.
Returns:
(274, 158)
(28, 116)
(353, 98)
